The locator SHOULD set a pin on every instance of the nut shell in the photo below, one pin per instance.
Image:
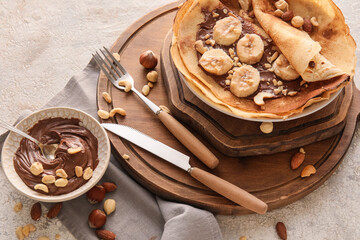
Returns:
(96, 194)
(97, 218)
(148, 59)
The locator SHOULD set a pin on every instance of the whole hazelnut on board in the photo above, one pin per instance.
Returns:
(97, 218)
(148, 59)
(96, 194)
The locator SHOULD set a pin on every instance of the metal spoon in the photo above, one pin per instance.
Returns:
(47, 151)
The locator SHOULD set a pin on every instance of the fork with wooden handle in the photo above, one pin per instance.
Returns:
(115, 72)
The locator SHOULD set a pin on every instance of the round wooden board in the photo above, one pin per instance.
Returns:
(268, 177)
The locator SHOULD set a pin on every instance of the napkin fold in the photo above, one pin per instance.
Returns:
(139, 214)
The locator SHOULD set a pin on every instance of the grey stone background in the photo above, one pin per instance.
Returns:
(44, 43)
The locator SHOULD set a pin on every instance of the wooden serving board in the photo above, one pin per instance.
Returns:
(268, 177)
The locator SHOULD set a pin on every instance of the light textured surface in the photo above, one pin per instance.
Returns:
(44, 43)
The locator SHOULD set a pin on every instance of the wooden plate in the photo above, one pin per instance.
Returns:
(268, 177)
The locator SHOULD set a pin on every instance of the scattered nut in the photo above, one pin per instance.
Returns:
(314, 22)
(231, 52)
(199, 46)
(105, 234)
(78, 171)
(152, 76)
(35, 212)
(267, 127)
(225, 11)
(227, 82)
(61, 182)
(116, 56)
(165, 109)
(103, 114)
(145, 90)
(150, 84)
(88, 173)
(18, 206)
(297, 21)
(96, 194)
(61, 172)
(54, 210)
(97, 218)
(106, 97)
(36, 168)
(242, 238)
(259, 98)
(215, 15)
(297, 160)
(281, 230)
(274, 56)
(57, 236)
(278, 13)
(32, 228)
(109, 186)
(19, 233)
(48, 179)
(308, 27)
(125, 156)
(308, 170)
(26, 230)
(292, 93)
(148, 59)
(109, 206)
(73, 151)
(43, 238)
(125, 84)
(120, 111)
(282, 5)
(267, 65)
(302, 150)
(287, 16)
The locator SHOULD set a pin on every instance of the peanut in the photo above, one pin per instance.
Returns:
(61, 173)
(36, 168)
(88, 173)
(103, 114)
(74, 150)
(78, 171)
(199, 46)
(41, 187)
(48, 179)
(145, 90)
(61, 182)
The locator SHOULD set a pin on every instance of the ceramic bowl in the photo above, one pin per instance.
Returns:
(12, 142)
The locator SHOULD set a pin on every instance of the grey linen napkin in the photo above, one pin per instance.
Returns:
(139, 214)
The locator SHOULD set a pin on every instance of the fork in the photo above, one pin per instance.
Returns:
(115, 72)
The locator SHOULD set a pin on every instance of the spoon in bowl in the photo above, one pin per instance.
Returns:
(47, 150)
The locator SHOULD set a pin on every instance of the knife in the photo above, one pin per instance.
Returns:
(219, 185)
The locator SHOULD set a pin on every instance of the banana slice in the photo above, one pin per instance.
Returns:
(250, 49)
(284, 70)
(245, 81)
(227, 31)
(216, 61)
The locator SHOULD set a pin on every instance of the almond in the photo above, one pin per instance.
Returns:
(109, 186)
(35, 212)
(281, 230)
(54, 210)
(308, 170)
(105, 234)
(297, 160)
(287, 16)
(96, 194)
(308, 27)
(97, 218)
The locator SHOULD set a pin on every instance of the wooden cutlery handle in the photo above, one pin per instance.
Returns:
(229, 190)
(188, 140)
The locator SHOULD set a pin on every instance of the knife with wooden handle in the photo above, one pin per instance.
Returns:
(219, 185)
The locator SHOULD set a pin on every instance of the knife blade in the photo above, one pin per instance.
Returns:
(219, 185)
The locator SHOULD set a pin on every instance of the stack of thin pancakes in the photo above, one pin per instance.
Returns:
(253, 59)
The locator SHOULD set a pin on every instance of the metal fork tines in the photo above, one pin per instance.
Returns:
(115, 72)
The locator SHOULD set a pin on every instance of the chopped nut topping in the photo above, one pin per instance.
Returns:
(302, 82)
(199, 46)
(225, 11)
(284, 92)
(207, 36)
(277, 90)
(267, 65)
(292, 93)
(227, 82)
(274, 56)
(314, 22)
(229, 77)
(297, 21)
(231, 52)
(78, 171)
(274, 82)
(278, 12)
(279, 83)
(215, 15)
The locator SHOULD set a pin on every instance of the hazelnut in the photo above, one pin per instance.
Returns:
(278, 12)
(308, 27)
(297, 21)
(148, 59)
(281, 4)
(287, 16)
(97, 218)
(96, 194)
(109, 186)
